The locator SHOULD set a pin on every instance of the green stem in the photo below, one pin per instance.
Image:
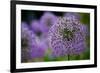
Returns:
(68, 57)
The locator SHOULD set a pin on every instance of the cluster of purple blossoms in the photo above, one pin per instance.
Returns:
(31, 46)
(48, 19)
(33, 37)
(67, 36)
(27, 40)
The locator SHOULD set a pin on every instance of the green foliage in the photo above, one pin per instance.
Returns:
(84, 56)
(85, 18)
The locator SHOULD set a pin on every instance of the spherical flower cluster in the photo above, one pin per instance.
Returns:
(48, 19)
(33, 37)
(38, 51)
(30, 47)
(67, 36)
(27, 40)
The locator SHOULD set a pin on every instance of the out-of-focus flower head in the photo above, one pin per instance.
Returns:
(38, 28)
(38, 51)
(32, 46)
(27, 33)
(48, 19)
(27, 40)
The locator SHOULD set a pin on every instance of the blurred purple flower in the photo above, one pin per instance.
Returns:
(27, 40)
(48, 19)
(66, 37)
(28, 34)
(38, 28)
(32, 45)
(38, 51)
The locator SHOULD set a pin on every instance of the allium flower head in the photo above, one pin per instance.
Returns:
(38, 28)
(66, 37)
(38, 51)
(27, 40)
(27, 34)
(32, 46)
(48, 19)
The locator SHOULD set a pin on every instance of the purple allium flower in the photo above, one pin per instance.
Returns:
(38, 51)
(27, 40)
(38, 28)
(66, 37)
(32, 45)
(48, 19)
(28, 34)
